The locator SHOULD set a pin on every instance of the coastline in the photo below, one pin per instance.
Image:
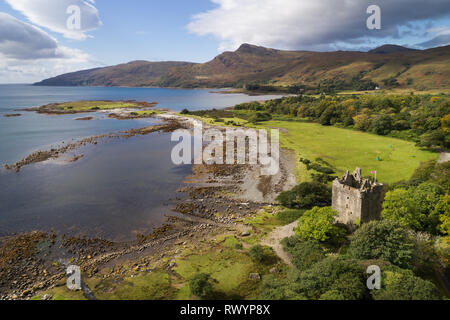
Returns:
(220, 199)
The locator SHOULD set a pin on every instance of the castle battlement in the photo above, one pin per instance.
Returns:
(357, 198)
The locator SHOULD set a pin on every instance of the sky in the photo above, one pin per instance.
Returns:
(45, 38)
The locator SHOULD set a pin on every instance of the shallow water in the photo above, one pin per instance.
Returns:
(20, 136)
(120, 188)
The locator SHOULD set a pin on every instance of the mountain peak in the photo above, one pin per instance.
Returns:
(255, 50)
(391, 48)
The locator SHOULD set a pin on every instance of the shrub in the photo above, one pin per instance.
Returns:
(200, 285)
(306, 196)
(385, 240)
(289, 215)
(400, 284)
(260, 117)
(184, 111)
(276, 289)
(304, 253)
(336, 274)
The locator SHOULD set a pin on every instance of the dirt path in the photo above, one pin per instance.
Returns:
(274, 241)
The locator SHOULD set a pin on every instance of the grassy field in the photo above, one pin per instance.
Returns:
(90, 105)
(393, 159)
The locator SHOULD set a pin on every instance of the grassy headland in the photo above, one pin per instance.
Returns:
(89, 106)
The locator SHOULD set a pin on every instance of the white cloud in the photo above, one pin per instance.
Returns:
(28, 53)
(441, 37)
(307, 24)
(53, 15)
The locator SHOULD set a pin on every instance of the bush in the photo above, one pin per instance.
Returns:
(306, 196)
(434, 139)
(442, 209)
(318, 224)
(260, 117)
(184, 111)
(275, 289)
(200, 285)
(257, 253)
(385, 240)
(381, 125)
(321, 169)
(335, 274)
(400, 284)
(304, 253)
(289, 215)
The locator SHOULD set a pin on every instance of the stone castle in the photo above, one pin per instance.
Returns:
(357, 199)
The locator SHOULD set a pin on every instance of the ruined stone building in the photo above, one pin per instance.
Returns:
(356, 198)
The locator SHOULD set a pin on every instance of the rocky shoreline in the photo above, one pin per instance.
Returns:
(55, 153)
(220, 197)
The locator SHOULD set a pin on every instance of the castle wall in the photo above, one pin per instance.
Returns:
(372, 205)
(348, 202)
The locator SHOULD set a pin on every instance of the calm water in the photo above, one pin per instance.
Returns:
(22, 135)
(118, 189)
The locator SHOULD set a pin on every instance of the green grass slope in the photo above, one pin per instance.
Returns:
(393, 159)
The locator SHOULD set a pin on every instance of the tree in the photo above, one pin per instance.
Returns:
(362, 121)
(432, 139)
(386, 240)
(381, 125)
(304, 253)
(335, 274)
(398, 206)
(401, 284)
(445, 123)
(414, 207)
(425, 197)
(318, 224)
(306, 195)
(442, 209)
(200, 285)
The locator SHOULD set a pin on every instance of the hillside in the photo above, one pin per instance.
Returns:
(262, 68)
(132, 74)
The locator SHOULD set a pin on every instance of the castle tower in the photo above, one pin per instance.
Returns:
(356, 198)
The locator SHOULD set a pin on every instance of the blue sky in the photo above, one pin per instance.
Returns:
(34, 43)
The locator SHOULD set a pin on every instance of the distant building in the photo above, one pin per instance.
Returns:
(356, 198)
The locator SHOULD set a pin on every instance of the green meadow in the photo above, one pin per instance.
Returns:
(91, 105)
(393, 159)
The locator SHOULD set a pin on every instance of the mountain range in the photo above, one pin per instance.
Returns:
(255, 67)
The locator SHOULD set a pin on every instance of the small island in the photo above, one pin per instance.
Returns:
(90, 106)
(12, 115)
